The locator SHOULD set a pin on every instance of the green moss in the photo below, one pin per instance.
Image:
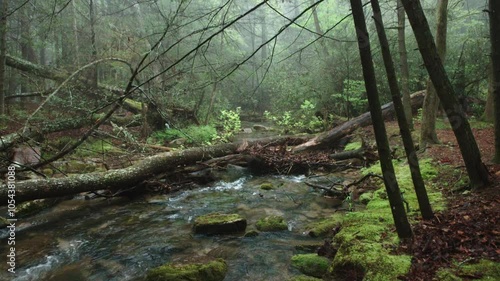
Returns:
(32, 207)
(365, 197)
(324, 226)
(266, 186)
(353, 146)
(252, 233)
(371, 258)
(446, 274)
(429, 172)
(489, 270)
(271, 223)
(311, 264)
(211, 271)
(217, 218)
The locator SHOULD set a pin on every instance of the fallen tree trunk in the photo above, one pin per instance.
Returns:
(326, 138)
(10, 140)
(123, 178)
(127, 177)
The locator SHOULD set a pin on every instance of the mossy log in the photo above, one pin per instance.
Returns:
(128, 177)
(10, 140)
(149, 167)
(327, 138)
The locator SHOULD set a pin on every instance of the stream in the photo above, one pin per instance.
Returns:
(121, 239)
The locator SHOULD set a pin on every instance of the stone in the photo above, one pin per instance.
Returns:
(211, 271)
(216, 223)
(271, 223)
(311, 264)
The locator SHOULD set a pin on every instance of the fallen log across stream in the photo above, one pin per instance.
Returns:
(168, 162)
(327, 138)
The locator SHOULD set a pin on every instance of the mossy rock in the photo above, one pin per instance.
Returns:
(212, 271)
(366, 197)
(266, 186)
(252, 233)
(32, 207)
(271, 223)
(304, 278)
(323, 227)
(485, 270)
(217, 223)
(311, 264)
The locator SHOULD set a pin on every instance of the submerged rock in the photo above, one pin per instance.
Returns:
(211, 271)
(311, 264)
(272, 223)
(217, 223)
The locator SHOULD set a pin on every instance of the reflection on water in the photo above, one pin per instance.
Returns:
(122, 240)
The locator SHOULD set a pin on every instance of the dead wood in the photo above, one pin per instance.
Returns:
(327, 138)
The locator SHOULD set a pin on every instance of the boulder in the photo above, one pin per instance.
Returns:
(211, 271)
(311, 264)
(217, 223)
(272, 223)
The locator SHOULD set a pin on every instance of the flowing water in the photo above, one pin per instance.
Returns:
(121, 240)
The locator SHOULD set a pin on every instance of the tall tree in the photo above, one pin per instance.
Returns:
(403, 64)
(494, 10)
(418, 182)
(476, 170)
(3, 48)
(403, 227)
(431, 102)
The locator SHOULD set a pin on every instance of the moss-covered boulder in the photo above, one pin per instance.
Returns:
(252, 233)
(271, 223)
(212, 271)
(325, 226)
(217, 223)
(266, 186)
(311, 264)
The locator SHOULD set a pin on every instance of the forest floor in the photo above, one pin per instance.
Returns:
(468, 230)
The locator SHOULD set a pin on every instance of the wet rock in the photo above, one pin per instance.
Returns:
(311, 264)
(217, 223)
(211, 271)
(252, 233)
(272, 223)
(266, 186)
(260, 128)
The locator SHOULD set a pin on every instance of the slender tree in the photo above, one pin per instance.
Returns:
(431, 102)
(476, 170)
(403, 64)
(403, 227)
(494, 10)
(418, 182)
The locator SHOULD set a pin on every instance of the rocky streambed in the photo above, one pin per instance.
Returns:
(123, 240)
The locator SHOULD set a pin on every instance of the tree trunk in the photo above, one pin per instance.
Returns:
(335, 134)
(488, 114)
(94, 72)
(494, 8)
(3, 48)
(403, 227)
(403, 64)
(418, 182)
(476, 170)
(431, 102)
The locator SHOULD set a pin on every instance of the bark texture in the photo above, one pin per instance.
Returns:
(476, 170)
(494, 8)
(431, 103)
(403, 65)
(403, 227)
(418, 182)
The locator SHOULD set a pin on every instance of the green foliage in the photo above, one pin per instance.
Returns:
(230, 122)
(303, 120)
(194, 135)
